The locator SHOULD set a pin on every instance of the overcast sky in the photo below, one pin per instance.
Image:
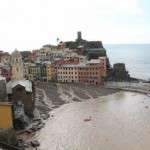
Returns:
(29, 24)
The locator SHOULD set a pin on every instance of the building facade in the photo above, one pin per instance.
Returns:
(49, 71)
(67, 73)
(34, 72)
(91, 72)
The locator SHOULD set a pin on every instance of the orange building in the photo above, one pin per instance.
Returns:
(90, 74)
(6, 117)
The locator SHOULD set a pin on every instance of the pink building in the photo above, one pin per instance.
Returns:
(5, 71)
(90, 72)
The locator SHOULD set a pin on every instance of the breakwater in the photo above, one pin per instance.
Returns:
(140, 87)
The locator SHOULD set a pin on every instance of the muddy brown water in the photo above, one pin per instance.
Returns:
(120, 121)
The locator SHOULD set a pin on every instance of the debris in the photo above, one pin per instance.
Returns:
(88, 119)
(146, 107)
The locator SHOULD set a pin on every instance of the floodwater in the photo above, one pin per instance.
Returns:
(120, 121)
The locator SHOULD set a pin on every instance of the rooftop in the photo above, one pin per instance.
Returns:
(5, 104)
(26, 83)
(2, 78)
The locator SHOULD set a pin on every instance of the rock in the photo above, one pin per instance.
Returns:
(35, 143)
(21, 120)
(36, 114)
(21, 143)
(29, 131)
(119, 73)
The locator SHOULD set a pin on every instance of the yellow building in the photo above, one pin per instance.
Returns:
(40, 71)
(6, 118)
(34, 72)
(49, 72)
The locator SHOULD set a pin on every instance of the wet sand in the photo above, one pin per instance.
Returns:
(120, 121)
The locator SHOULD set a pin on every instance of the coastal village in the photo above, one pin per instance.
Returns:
(25, 76)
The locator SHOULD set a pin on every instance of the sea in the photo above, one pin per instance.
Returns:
(135, 56)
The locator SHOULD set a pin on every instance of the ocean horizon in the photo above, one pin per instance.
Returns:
(135, 56)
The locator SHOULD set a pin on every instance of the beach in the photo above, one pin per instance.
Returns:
(117, 121)
(95, 119)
